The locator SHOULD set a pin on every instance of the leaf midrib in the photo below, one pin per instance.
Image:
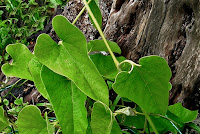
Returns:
(81, 72)
(146, 84)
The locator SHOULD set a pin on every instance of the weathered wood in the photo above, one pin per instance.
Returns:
(169, 28)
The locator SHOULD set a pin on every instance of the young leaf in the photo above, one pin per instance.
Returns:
(19, 101)
(105, 65)
(99, 45)
(21, 57)
(68, 102)
(102, 119)
(184, 115)
(3, 121)
(31, 121)
(96, 12)
(70, 59)
(147, 85)
(35, 68)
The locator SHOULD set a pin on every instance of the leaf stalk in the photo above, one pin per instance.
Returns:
(150, 122)
(101, 33)
(80, 13)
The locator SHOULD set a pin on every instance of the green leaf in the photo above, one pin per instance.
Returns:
(115, 128)
(132, 121)
(99, 45)
(3, 121)
(19, 101)
(194, 126)
(97, 2)
(147, 85)
(31, 121)
(162, 124)
(68, 102)
(105, 65)
(70, 59)
(96, 12)
(21, 57)
(6, 102)
(102, 119)
(35, 68)
(182, 113)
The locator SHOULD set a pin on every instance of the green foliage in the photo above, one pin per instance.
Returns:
(6, 102)
(35, 68)
(68, 102)
(20, 61)
(3, 121)
(105, 65)
(101, 119)
(20, 19)
(94, 6)
(71, 58)
(98, 45)
(19, 101)
(150, 80)
(115, 128)
(73, 82)
(194, 126)
(31, 121)
(182, 114)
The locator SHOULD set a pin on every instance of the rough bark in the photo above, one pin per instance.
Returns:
(169, 28)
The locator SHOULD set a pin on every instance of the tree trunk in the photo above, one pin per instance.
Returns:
(168, 28)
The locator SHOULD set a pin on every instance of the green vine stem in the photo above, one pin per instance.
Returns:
(101, 33)
(150, 122)
(145, 126)
(80, 13)
(22, 83)
(11, 88)
(166, 117)
(130, 62)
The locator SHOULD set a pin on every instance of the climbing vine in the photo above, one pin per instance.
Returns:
(77, 85)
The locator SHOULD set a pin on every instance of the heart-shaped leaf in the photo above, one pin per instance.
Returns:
(70, 59)
(147, 85)
(21, 57)
(3, 121)
(30, 121)
(68, 102)
(101, 119)
(99, 45)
